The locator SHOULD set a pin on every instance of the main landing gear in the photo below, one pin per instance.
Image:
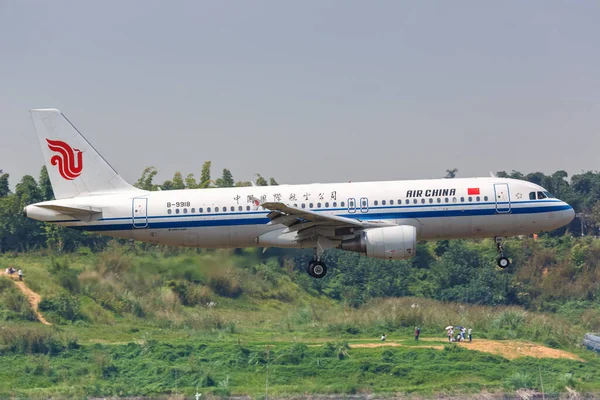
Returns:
(502, 261)
(316, 268)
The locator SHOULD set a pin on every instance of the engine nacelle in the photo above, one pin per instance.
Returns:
(389, 243)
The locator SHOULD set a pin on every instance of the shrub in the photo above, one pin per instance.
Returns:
(225, 286)
(63, 305)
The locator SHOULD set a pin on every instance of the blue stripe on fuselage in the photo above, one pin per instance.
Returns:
(261, 218)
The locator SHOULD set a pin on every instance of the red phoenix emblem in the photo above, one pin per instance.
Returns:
(68, 167)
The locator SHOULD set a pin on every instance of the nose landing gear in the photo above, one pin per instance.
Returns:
(502, 261)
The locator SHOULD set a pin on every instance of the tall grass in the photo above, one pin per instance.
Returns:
(35, 340)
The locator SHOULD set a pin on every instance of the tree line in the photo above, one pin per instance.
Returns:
(18, 233)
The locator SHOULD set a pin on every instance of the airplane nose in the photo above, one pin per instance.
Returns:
(569, 214)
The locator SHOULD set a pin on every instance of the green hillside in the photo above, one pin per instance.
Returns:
(147, 320)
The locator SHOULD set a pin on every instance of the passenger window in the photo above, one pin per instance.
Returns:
(318, 205)
(208, 209)
(430, 200)
(399, 202)
(407, 201)
(375, 202)
(439, 200)
(454, 200)
(193, 210)
(422, 201)
(485, 198)
(414, 201)
(239, 208)
(391, 202)
(478, 198)
(462, 199)
(531, 195)
(541, 195)
(169, 211)
(470, 199)
(185, 210)
(216, 209)
(232, 208)
(446, 200)
(247, 208)
(383, 202)
(200, 210)
(303, 205)
(342, 204)
(177, 211)
(334, 204)
(311, 205)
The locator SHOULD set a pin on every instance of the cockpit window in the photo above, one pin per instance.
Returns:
(549, 195)
(532, 196)
(541, 195)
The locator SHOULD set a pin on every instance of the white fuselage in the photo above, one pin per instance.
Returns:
(229, 218)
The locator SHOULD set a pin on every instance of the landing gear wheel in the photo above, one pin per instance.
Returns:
(317, 269)
(503, 262)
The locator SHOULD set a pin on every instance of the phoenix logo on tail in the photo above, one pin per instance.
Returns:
(65, 161)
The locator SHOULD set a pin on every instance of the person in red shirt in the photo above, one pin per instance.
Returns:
(417, 333)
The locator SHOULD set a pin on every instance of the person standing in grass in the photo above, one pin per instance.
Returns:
(383, 337)
(20, 274)
(470, 336)
(417, 333)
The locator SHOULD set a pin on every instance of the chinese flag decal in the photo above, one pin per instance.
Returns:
(472, 191)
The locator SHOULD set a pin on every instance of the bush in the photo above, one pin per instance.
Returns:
(63, 305)
(225, 286)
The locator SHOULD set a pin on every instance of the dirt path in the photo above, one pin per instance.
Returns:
(512, 349)
(389, 344)
(33, 298)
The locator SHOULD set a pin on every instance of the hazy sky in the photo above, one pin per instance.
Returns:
(307, 91)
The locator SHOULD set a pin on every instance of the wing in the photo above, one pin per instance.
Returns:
(311, 224)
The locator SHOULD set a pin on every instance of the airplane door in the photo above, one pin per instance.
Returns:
(139, 213)
(502, 195)
(351, 205)
(364, 205)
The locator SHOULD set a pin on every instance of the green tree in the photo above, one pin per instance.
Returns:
(273, 182)
(205, 175)
(145, 181)
(226, 180)
(45, 185)
(190, 182)
(178, 183)
(4, 189)
(260, 181)
(28, 191)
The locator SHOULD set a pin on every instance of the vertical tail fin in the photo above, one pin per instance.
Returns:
(74, 166)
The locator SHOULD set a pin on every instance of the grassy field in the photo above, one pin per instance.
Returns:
(127, 324)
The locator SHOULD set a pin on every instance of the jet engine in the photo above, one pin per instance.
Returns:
(389, 243)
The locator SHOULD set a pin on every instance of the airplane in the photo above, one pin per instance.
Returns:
(377, 219)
